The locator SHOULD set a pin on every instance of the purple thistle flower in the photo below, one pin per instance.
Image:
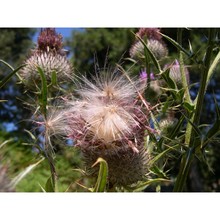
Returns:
(152, 77)
(143, 75)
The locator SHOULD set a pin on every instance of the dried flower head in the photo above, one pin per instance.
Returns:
(109, 120)
(109, 109)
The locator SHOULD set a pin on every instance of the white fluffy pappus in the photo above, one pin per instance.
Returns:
(107, 110)
(108, 86)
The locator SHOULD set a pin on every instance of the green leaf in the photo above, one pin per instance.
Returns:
(54, 78)
(43, 96)
(7, 64)
(5, 142)
(186, 161)
(156, 158)
(9, 76)
(177, 45)
(142, 186)
(50, 187)
(188, 106)
(21, 175)
(102, 176)
(171, 83)
(177, 127)
(212, 67)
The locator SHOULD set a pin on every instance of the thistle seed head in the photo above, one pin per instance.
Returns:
(109, 120)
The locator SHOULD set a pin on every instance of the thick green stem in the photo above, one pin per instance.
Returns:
(195, 119)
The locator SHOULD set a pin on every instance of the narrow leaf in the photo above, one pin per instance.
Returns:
(21, 175)
(4, 143)
(54, 78)
(7, 64)
(9, 76)
(149, 182)
(49, 187)
(177, 45)
(102, 176)
(212, 67)
(43, 98)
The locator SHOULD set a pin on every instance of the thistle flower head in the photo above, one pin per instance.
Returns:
(109, 120)
(150, 33)
(50, 58)
(49, 40)
(50, 64)
(175, 73)
(124, 166)
(154, 43)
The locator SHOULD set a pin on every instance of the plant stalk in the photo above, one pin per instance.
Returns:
(188, 157)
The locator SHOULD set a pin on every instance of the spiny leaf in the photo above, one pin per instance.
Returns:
(177, 45)
(102, 176)
(156, 158)
(171, 83)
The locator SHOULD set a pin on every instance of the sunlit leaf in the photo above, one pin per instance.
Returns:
(22, 175)
(5, 142)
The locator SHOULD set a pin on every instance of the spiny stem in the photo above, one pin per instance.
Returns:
(189, 155)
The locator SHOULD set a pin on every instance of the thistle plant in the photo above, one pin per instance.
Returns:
(109, 120)
(136, 127)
